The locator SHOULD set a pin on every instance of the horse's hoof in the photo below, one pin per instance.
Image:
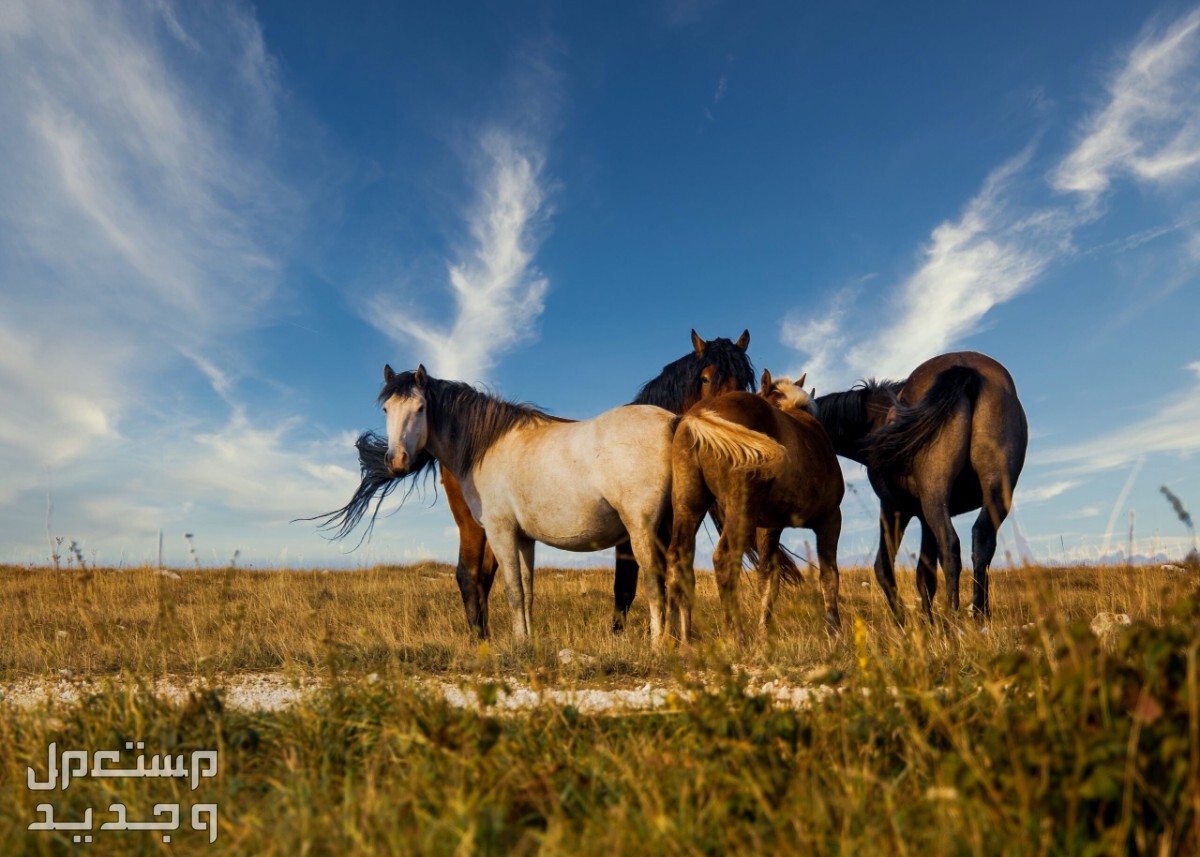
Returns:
(977, 613)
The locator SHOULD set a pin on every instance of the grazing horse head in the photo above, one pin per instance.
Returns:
(786, 394)
(403, 400)
(712, 367)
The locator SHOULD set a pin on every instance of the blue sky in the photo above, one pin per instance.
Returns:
(219, 220)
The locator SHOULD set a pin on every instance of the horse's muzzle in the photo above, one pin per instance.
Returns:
(399, 464)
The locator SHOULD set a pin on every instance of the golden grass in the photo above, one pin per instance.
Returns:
(942, 740)
(410, 619)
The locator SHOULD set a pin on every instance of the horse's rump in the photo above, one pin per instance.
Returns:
(893, 445)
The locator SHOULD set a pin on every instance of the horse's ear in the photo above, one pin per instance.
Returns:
(388, 374)
(421, 375)
(743, 341)
(697, 343)
(800, 383)
(766, 380)
(812, 394)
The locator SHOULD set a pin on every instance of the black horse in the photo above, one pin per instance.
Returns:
(711, 367)
(949, 439)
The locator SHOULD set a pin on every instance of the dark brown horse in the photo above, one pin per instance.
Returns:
(717, 365)
(949, 439)
(766, 464)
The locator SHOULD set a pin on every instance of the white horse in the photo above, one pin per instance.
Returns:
(529, 477)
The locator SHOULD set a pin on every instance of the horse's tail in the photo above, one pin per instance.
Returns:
(893, 445)
(789, 570)
(739, 447)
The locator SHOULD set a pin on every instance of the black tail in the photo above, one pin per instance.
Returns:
(893, 445)
(377, 483)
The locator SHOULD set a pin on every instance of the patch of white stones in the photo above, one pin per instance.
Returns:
(273, 692)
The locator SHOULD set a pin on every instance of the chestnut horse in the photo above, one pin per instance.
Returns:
(949, 439)
(711, 367)
(766, 463)
(529, 477)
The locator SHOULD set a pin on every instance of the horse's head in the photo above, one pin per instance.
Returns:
(720, 366)
(403, 400)
(711, 383)
(786, 394)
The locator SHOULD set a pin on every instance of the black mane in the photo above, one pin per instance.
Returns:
(844, 414)
(477, 419)
(678, 384)
(480, 420)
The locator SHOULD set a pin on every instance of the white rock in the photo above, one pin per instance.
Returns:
(1106, 623)
(569, 656)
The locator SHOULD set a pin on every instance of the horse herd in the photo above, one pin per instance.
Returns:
(695, 441)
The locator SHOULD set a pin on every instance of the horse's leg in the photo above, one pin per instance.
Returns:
(476, 562)
(643, 537)
(625, 581)
(508, 551)
(936, 516)
(927, 569)
(525, 550)
(983, 542)
(727, 562)
(487, 576)
(768, 576)
(828, 531)
(891, 532)
(681, 572)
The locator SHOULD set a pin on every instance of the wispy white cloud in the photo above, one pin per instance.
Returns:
(1149, 130)
(821, 337)
(498, 290)
(143, 223)
(1170, 428)
(1119, 505)
(991, 253)
(138, 209)
(1150, 127)
(267, 473)
(717, 96)
(1042, 493)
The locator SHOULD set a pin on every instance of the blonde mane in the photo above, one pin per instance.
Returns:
(786, 394)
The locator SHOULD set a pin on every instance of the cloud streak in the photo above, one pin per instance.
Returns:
(143, 224)
(1150, 127)
(498, 291)
(1170, 428)
(1149, 130)
(987, 256)
(139, 214)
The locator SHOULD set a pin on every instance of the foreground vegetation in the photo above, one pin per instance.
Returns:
(1035, 736)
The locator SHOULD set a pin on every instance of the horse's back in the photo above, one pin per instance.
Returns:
(576, 485)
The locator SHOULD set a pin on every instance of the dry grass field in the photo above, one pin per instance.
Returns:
(1029, 733)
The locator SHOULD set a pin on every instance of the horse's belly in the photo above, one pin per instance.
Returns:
(575, 527)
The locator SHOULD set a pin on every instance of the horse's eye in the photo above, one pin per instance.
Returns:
(420, 408)
(703, 380)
